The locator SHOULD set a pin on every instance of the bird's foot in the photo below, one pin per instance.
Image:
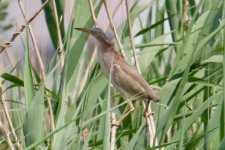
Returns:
(131, 107)
(115, 123)
(147, 114)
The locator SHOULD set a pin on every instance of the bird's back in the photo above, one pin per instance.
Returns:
(126, 78)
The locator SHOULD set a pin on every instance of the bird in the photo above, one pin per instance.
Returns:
(125, 78)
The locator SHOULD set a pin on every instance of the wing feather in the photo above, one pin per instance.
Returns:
(126, 78)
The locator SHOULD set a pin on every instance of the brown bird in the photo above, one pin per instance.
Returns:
(127, 80)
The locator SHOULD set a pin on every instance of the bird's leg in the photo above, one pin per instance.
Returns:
(127, 112)
(147, 113)
(114, 121)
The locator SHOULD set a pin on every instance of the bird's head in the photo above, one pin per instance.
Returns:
(97, 33)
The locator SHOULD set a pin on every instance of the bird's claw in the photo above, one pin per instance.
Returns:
(147, 114)
(115, 123)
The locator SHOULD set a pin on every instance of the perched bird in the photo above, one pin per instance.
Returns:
(126, 79)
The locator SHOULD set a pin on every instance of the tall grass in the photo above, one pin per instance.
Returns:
(181, 52)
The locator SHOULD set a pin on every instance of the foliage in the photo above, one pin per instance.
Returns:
(3, 15)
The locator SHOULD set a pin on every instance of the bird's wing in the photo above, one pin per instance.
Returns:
(128, 83)
(125, 76)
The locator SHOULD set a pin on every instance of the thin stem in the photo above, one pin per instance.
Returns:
(40, 62)
(222, 124)
(131, 37)
(149, 118)
(85, 76)
(114, 129)
(20, 30)
(185, 15)
(113, 29)
(61, 47)
(84, 79)
(6, 135)
(114, 12)
(92, 12)
(2, 100)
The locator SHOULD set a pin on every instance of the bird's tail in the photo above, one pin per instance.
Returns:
(153, 96)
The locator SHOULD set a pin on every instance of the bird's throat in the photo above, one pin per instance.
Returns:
(105, 57)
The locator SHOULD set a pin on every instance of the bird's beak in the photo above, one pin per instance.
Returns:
(86, 30)
(97, 34)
